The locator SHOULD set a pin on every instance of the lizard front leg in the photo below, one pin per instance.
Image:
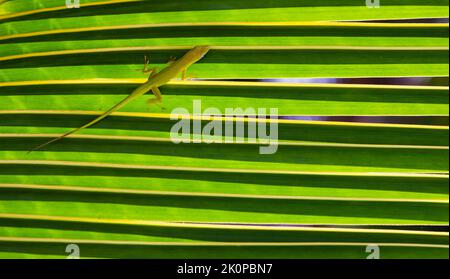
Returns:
(184, 75)
(171, 60)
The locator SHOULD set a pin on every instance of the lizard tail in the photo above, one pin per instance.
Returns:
(55, 140)
(99, 118)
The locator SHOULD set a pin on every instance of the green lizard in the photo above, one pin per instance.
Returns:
(155, 80)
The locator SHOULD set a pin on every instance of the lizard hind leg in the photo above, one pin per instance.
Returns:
(158, 98)
(153, 71)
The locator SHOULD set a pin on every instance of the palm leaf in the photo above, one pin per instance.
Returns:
(122, 189)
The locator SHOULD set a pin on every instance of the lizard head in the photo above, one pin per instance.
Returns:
(200, 51)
